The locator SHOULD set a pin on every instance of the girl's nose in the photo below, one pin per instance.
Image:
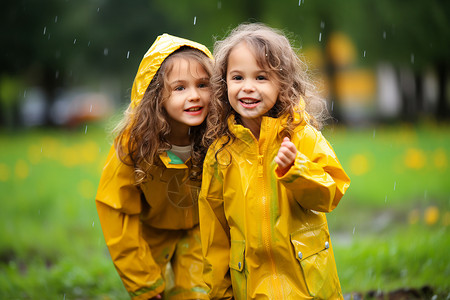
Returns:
(248, 86)
(194, 95)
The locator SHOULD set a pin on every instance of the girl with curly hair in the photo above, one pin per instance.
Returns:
(269, 175)
(147, 196)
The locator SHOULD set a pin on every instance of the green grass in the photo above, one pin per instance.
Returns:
(390, 230)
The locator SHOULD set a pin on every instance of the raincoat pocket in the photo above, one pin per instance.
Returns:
(313, 252)
(237, 270)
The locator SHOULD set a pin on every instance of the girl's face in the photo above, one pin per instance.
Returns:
(187, 104)
(252, 91)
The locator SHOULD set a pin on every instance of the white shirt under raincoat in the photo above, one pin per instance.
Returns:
(149, 225)
(265, 236)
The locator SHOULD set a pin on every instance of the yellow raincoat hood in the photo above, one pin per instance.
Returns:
(150, 225)
(163, 46)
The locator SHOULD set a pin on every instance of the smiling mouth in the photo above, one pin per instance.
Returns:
(194, 109)
(249, 101)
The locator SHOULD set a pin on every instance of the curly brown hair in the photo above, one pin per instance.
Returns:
(273, 52)
(142, 135)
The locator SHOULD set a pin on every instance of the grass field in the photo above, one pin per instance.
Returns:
(391, 229)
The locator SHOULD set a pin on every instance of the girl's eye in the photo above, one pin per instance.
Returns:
(203, 85)
(237, 77)
(261, 77)
(179, 88)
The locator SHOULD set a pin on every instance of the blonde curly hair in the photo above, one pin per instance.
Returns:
(273, 52)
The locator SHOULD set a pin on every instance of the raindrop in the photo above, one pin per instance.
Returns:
(354, 228)
(128, 54)
(24, 93)
(395, 183)
(322, 24)
(105, 51)
(57, 74)
(299, 2)
(195, 19)
(41, 149)
(39, 211)
(384, 35)
(364, 53)
(45, 30)
(85, 130)
(64, 297)
(93, 223)
(89, 43)
(219, 5)
(49, 36)
(332, 105)
(74, 41)
(98, 9)
(385, 198)
(56, 19)
(90, 109)
(374, 131)
(412, 58)
(320, 37)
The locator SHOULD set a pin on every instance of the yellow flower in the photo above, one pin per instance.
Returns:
(431, 215)
(21, 169)
(415, 159)
(89, 152)
(359, 164)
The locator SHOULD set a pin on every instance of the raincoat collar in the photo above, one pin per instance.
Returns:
(171, 161)
(163, 46)
(275, 125)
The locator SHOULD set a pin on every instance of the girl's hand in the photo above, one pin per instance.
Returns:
(156, 297)
(286, 156)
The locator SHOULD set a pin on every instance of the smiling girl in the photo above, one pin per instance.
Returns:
(269, 176)
(147, 197)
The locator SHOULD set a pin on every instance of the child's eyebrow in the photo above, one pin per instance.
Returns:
(177, 82)
(256, 71)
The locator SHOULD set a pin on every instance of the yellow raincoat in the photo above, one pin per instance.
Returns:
(265, 236)
(149, 225)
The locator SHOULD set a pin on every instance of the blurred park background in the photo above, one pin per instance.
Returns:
(66, 71)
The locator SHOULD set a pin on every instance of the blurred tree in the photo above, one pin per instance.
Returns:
(60, 44)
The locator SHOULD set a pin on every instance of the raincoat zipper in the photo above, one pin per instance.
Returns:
(267, 236)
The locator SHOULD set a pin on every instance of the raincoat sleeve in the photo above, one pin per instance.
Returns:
(214, 230)
(316, 179)
(119, 205)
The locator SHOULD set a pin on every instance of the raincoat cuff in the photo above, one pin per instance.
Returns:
(148, 292)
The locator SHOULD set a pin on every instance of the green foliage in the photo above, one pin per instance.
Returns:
(51, 243)
(388, 164)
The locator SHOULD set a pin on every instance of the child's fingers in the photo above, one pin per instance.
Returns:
(284, 157)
